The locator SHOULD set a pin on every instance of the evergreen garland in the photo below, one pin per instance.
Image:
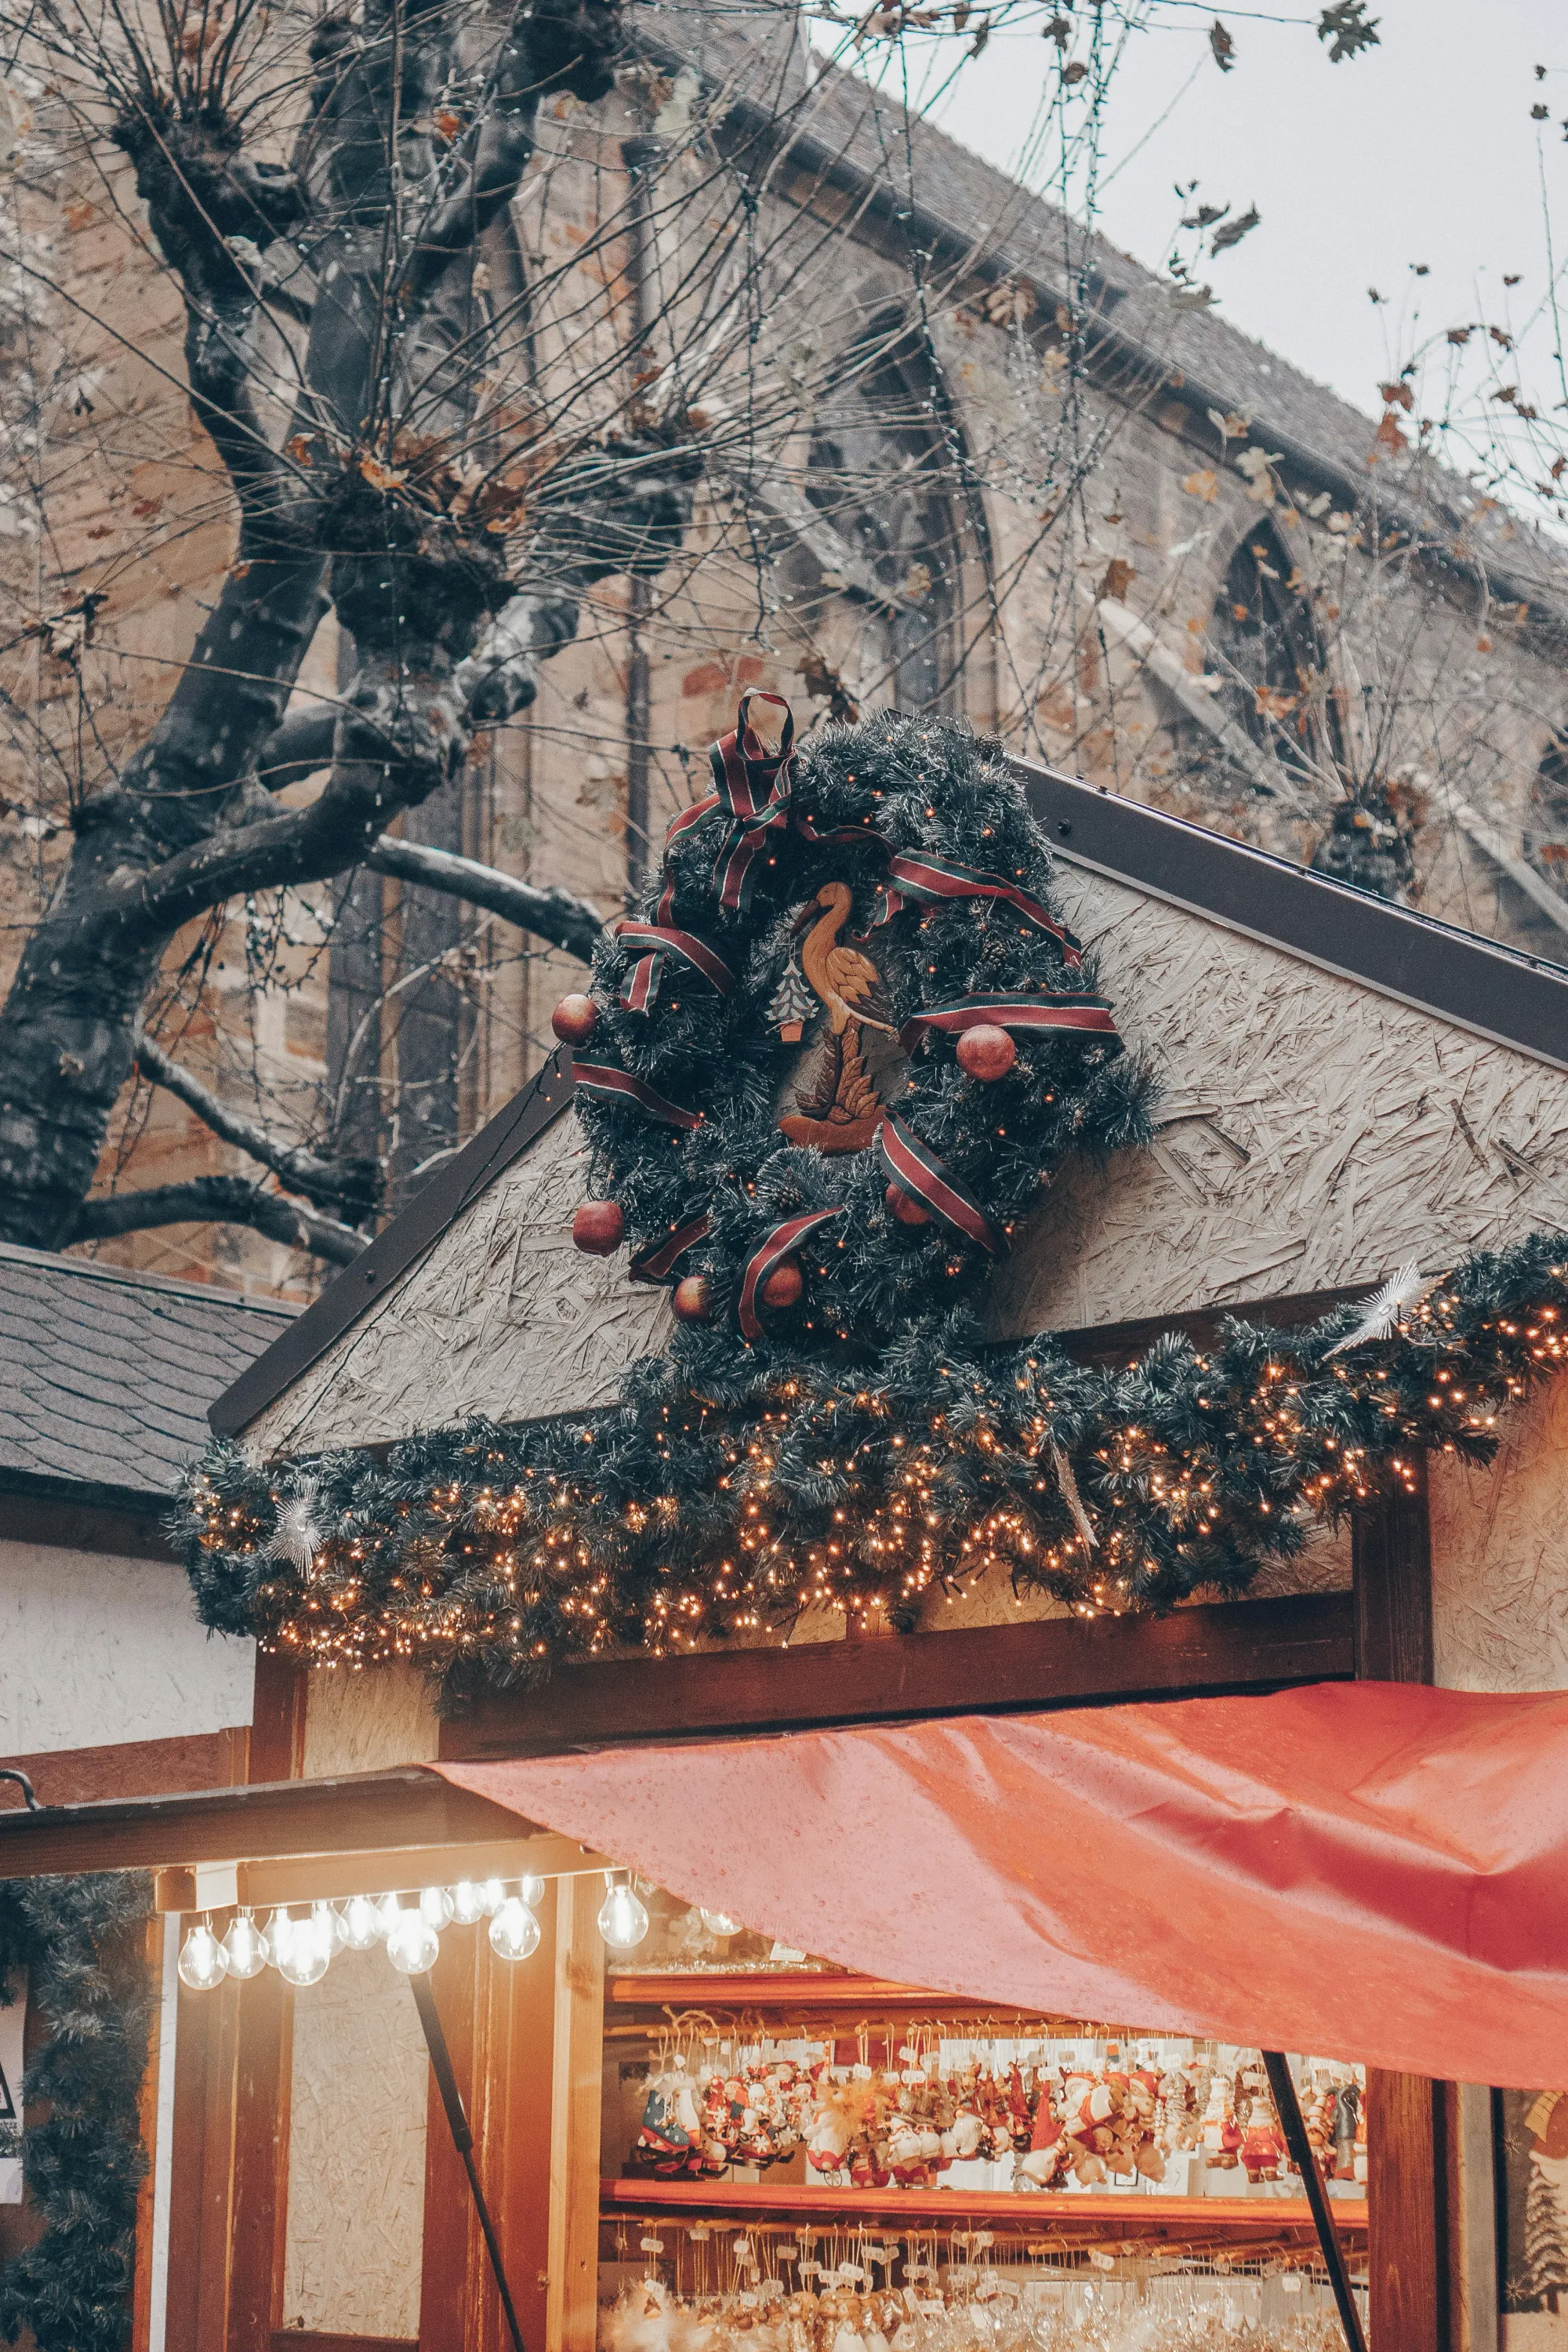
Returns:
(81, 1942)
(863, 1446)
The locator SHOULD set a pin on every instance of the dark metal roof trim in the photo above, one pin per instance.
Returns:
(1479, 984)
(1493, 991)
(435, 1206)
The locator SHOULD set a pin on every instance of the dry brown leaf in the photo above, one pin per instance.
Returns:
(1202, 484)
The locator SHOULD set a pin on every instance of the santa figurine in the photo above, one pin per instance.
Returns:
(1221, 2136)
(1043, 2161)
(1262, 2148)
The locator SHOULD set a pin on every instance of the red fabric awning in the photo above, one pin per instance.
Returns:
(1361, 1870)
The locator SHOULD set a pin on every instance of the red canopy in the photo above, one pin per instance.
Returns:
(1360, 1870)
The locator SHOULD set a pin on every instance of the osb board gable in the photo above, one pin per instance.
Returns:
(1312, 1132)
(502, 1316)
(1499, 1557)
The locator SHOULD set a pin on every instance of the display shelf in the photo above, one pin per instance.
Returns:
(1086, 2218)
(801, 1992)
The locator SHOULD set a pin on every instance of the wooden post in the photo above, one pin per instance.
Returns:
(1407, 2127)
(233, 2052)
(1475, 2318)
(576, 2078)
(499, 2022)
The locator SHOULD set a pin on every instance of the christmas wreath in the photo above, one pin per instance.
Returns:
(824, 1073)
(842, 1051)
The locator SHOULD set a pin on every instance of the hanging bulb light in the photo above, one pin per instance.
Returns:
(623, 1922)
(388, 1911)
(468, 1902)
(494, 1892)
(203, 1961)
(514, 1930)
(307, 1947)
(412, 1944)
(362, 1925)
(435, 1907)
(328, 1921)
(719, 1923)
(531, 1890)
(245, 1948)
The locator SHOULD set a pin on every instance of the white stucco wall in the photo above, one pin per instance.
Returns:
(99, 1649)
(360, 2076)
(356, 2154)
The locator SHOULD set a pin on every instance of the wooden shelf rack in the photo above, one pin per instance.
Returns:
(1100, 2218)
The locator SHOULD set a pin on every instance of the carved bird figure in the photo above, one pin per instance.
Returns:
(848, 982)
(839, 1110)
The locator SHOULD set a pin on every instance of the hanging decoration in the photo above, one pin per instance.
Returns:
(823, 1075)
(81, 1941)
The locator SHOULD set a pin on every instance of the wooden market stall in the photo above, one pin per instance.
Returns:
(1345, 1087)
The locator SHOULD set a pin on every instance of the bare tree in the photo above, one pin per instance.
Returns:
(447, 429)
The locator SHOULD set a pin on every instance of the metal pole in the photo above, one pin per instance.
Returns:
(462, 2138)
(1293, 2123)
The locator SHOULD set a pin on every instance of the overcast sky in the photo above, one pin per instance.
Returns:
(1419, 151)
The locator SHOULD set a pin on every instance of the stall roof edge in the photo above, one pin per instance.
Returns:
(1496, 992)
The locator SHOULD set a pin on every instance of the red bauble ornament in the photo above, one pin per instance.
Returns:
(599, 1227)
(986, 1052)
(693, 1298)
(575, 1019)
(784, 1286)
(905, 1207)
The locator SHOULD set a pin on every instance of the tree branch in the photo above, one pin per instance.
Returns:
(216, 1200)
(351, 1184)
(299, 746)
(553, 915)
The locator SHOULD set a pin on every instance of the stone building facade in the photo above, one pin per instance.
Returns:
(999, 471)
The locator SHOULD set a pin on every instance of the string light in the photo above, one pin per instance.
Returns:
(245, 1949)
(623, 1920)
(514, 1931)
(1190, 1469)
(203, 1962)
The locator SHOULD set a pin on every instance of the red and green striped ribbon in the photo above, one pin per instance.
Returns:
(1089, 1015)
(754, 788)
(604, 1083)
(925, 879)
(777, 1245)
(916, 1169)
(662, 939)
(660, 1260)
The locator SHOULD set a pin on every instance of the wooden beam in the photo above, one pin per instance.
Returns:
(362, 1812)
(1391, 1557)
(392, 1870)
(1234, 1646)
(1406, 2123)
(571, 2319)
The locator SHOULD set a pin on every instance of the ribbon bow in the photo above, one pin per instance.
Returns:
(753, 786)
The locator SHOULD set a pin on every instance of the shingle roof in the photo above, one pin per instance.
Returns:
(106, 1375)
(841, 122)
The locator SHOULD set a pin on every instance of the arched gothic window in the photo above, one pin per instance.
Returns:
(1264, 643)
(888, 518)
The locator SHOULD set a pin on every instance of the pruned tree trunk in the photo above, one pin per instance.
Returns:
(368, 496)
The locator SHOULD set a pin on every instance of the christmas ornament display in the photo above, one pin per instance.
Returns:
(692, 1298)
(574, 1019)
(1057, 2117)
(599, 1227)
(986, 1052)
(785, 1286)
(945, 2290)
